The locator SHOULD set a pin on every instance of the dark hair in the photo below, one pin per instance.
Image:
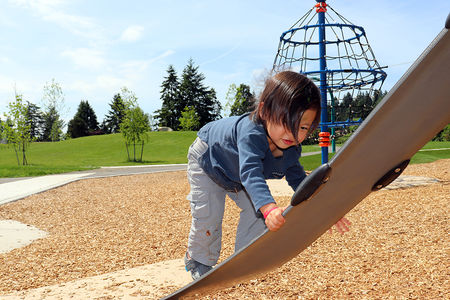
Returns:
(286, 96)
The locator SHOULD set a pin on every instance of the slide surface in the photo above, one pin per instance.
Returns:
(412, 113)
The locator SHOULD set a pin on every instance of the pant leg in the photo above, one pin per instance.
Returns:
(251, 225)
(207, 209)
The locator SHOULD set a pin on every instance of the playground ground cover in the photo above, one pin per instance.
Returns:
(397, 247)
(109, 150)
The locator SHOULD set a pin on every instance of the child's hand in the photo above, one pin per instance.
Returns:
(273, 216)
(341, 226)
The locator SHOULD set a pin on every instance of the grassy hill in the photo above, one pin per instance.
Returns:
(94, 151)
(109, 150)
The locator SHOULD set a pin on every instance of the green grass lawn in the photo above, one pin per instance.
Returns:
(93, 152)
(429, 153)
(109, 150)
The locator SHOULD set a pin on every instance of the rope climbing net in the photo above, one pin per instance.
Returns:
(353, 75)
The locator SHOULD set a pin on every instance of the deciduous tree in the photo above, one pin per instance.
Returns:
(189, 119)
(16, 129)
(239, 99)
(135, 125)
(54, 106)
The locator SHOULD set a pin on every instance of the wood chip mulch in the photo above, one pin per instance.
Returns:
(398, 245)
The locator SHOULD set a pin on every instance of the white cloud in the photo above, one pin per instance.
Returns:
(52, 11)
(5, 60)
(126, 74)
(85, 57)
(132, 33)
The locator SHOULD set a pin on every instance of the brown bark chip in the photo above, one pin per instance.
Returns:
(398, 245)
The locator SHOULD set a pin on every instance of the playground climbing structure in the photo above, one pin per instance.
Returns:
(337, 56)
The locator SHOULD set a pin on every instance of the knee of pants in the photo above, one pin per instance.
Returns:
(247, 231)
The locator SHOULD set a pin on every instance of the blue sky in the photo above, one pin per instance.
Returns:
(93, 48)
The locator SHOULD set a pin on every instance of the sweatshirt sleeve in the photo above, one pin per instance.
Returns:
(295, 175)
(252, 147)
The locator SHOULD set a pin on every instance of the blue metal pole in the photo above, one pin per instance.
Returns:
(323, 75)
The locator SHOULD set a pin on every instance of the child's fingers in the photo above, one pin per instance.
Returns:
(275, 219)
(279, 220)
(274, 224)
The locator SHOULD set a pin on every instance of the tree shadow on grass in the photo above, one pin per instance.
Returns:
(146, 162)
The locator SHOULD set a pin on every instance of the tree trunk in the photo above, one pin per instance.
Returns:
(128, 152)
(17, 155)
(142, 150)
(24, 157)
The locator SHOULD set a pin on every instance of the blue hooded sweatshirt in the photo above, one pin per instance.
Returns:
(239, 157)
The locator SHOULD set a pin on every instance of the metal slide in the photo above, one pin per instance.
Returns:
(412, 113)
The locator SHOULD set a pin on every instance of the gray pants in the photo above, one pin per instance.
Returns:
(207, 209)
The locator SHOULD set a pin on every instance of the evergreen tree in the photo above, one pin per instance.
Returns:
(378, 95)
(76, 127)
(52, 119)
(168, 115)
(84, 121)
(2, 131)
(347, 100)
(343, 108)
(363, 103)
(56, 131)
(208, 108)
(194, 93)
(35, 120)
(115, 116)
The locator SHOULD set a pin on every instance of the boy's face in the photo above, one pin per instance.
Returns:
(283, 138)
